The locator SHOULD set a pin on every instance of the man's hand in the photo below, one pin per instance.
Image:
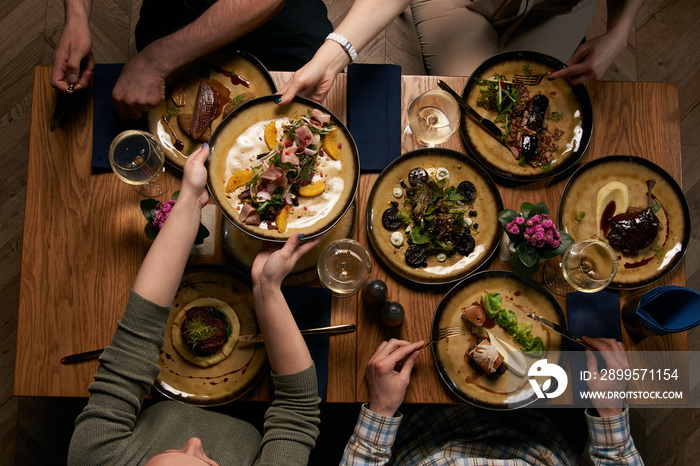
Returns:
(73, 62)
(387, 385)
(140, 87)
(613, 353)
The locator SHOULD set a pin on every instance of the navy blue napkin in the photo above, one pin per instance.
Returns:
(311, 307)
(106, 124)
(374, 113)
(595, 315)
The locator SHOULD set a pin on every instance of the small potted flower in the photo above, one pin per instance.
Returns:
(156, 213)
(532, 236)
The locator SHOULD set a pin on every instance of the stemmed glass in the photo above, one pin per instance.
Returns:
(344, 267)
(433, 117)
(587, 266)
(137, 158)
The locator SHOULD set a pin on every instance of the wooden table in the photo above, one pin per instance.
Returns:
(84, 242)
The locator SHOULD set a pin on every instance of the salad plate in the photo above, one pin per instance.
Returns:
(581, 214)
(241, 370)
(465, 379)
(236, 78)
(546, 128)
(441, 229)
(278, 170)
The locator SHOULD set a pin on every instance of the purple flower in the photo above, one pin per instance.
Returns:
(519, 220)
(162, 211)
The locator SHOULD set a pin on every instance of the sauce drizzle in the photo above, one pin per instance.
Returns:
(235, 79)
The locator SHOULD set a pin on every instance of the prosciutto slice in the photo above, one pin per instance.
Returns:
(321, 117)
(303, 136)
(249, 215)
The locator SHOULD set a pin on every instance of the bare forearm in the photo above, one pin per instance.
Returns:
(286, 348)
(367, 18)
(621, 15)
(223, 22)
(161, 271)
(78, 10)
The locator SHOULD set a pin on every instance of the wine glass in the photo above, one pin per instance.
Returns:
(344, 267)
(433, 117)
(587, 266)
(137, 158)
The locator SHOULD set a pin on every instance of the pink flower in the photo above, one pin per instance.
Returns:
(519, 220)
(162, 211)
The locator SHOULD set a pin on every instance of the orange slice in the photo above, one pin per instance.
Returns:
(330, 144)
(238, 179)
(271, 135)
(281, 219)
(311, 190)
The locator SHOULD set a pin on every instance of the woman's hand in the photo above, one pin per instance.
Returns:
(272, 265)
(591, 59)
(194, 178)
(387, 385)
(73, 62)
(613, 354)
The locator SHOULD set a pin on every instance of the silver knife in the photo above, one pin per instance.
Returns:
(333, 329)
(561, 330)
(62, 105)
(485, 123)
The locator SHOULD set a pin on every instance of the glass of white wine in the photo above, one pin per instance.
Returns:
(344, 267)
(433, 117)
(587, 266)
(137, 158)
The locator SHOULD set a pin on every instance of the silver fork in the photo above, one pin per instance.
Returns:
(447, 332)
(530, 79)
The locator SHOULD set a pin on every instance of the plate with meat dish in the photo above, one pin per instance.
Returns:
(202, 361)
(546, 128)
(431, 216)
(646, 222)
(488, 365)
(279, 170)
(200, 96)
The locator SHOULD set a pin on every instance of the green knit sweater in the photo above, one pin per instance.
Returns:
(112, 430)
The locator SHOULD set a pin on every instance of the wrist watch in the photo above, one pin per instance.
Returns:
(343, 42)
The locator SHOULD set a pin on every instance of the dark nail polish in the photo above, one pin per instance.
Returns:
(205, 145)
(551, 78)
(301, 236)
(278, 100)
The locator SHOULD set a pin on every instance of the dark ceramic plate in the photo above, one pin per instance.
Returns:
(487, 205)
(571, 102)
(245, 65)
(522, 296)
(234, 376)
(667, 250)
(239, 139)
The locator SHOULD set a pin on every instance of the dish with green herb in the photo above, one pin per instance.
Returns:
(235, 78)
(431, 216)
(546, 128)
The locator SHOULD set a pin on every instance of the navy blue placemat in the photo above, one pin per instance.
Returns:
(106, 124)
(311, 308)
(374, 113)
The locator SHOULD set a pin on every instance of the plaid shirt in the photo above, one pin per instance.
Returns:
(463, 435)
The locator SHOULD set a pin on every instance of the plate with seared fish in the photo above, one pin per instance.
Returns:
(200, 96)
(488, 364)
(636, 207)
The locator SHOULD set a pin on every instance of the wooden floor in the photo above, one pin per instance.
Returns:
(662, 47)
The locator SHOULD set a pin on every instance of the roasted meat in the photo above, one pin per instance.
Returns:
(205, 109)
(204, 330)
(636, 229)
(537, 113)
(485, 356)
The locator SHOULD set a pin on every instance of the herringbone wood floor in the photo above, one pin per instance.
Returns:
(662, 47)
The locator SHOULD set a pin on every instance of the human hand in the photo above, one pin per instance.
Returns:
(591, 59)
(194, 177)
(140, 87)
(316, 78)
(272, 264)
(387, 385)
(73, 62)
(613, 353)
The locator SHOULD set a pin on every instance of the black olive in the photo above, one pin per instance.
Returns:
(415, 256)
(390, 218)
(473, 213)
(466, 244)
(475, 226)
(467, 190)
(403, 184)
(417, 176)
(394, 204)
